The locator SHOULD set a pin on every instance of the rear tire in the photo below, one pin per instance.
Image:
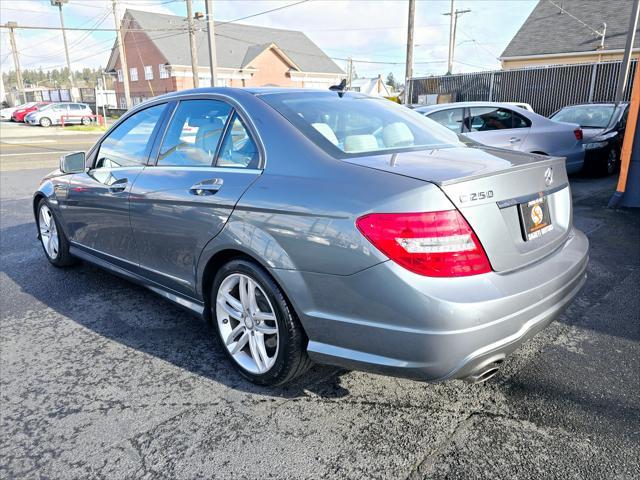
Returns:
(85, 121)
(45, 122)
(607, 165)
(52, 238)
(261, 334)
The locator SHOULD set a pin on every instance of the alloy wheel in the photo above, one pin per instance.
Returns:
(45, 122)
(48, 232)
(247, 323)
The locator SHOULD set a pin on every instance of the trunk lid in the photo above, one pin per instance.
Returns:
(486, 185)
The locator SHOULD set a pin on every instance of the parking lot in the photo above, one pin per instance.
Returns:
(103, 379)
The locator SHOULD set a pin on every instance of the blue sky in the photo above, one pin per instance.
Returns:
(368, 31)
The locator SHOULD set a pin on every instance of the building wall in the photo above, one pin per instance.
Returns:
(141, 51)
(272, 70)
(563, 60)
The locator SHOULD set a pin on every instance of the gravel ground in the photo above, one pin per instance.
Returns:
(102, 379)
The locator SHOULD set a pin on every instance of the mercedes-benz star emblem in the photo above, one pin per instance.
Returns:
(548, 176)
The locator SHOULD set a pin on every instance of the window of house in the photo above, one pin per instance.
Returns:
(123, 102)
(194, 133)
(128, 144)
(238, 148)
(120, 76)
(133, 74)
(148, 72)
(163, 70)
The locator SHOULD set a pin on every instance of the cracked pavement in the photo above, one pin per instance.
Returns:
(100, 378)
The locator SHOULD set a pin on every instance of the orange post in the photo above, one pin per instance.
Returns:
(630, 130)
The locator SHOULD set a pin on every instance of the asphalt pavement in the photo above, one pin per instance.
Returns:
(100, 378)
(31, 147)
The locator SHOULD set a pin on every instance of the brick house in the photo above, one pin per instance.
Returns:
(159, 59)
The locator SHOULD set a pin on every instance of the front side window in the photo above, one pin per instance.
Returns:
(129, 144)
(194, 133)
(75, 107)
(238, 148)
(482, 119)
(133, 74)
(351, 124)
(148, 72)
(451, 118)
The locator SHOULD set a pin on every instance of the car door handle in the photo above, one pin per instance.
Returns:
(119, 185)
(206, 187)
(515, 139)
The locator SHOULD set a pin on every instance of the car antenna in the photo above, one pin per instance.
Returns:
(340, 87)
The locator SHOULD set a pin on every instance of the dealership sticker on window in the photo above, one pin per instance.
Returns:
(535, 218)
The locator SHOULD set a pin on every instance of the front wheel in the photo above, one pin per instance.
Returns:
(53, 240)
(256, 327)
(45, 122)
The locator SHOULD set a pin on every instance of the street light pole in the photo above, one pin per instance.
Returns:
(123, 57)
(59, 3)
(409, 62)
(625, 66)
(192, 45)
(213, 62)
(16, 61)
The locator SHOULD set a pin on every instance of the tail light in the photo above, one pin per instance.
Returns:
(435, 244)
(578, 133)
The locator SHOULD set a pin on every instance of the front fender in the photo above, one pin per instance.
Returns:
(53, 188)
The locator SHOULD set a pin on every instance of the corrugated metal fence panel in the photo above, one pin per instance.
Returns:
(546, 89)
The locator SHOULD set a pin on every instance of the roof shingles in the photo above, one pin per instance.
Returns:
(236, 44)
(549, 30)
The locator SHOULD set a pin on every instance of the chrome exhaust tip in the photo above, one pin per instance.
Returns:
(484, 373)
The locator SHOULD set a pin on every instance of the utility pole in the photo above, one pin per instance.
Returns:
(123, 58)
(213, 61)
(625, 66)
(192, 44)
(409, 62)
(16, 61)
(453, 25)
(59, 3)
(350, 73)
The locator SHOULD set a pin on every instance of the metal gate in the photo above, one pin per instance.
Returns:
(546, 89)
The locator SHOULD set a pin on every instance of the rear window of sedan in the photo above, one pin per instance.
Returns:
(350, 124)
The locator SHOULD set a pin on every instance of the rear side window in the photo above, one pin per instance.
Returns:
(451, 118)
(238, 148)
(194, 133)
(483, 119)
(129, 144)
(75, 107)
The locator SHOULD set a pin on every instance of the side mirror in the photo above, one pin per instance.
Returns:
(72, 162)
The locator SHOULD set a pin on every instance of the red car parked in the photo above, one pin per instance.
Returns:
(18, 115)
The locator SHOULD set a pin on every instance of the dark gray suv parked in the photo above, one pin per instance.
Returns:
(326, 226)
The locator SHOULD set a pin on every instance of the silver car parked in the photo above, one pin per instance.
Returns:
(505, 125)
(324, 226)
(56, 113)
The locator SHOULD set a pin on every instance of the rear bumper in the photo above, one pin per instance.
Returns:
(575, 160)
(388, 320)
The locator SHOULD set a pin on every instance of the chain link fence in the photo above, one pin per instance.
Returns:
(546, 89)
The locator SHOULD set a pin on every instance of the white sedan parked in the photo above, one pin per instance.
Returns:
(504, 125)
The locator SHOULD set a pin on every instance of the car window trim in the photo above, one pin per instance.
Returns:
(224, 137)
(154, 161)
(93, 153)
(240, 110)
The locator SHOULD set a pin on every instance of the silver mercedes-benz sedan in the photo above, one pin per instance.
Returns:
(506, 125)
(323, 226)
